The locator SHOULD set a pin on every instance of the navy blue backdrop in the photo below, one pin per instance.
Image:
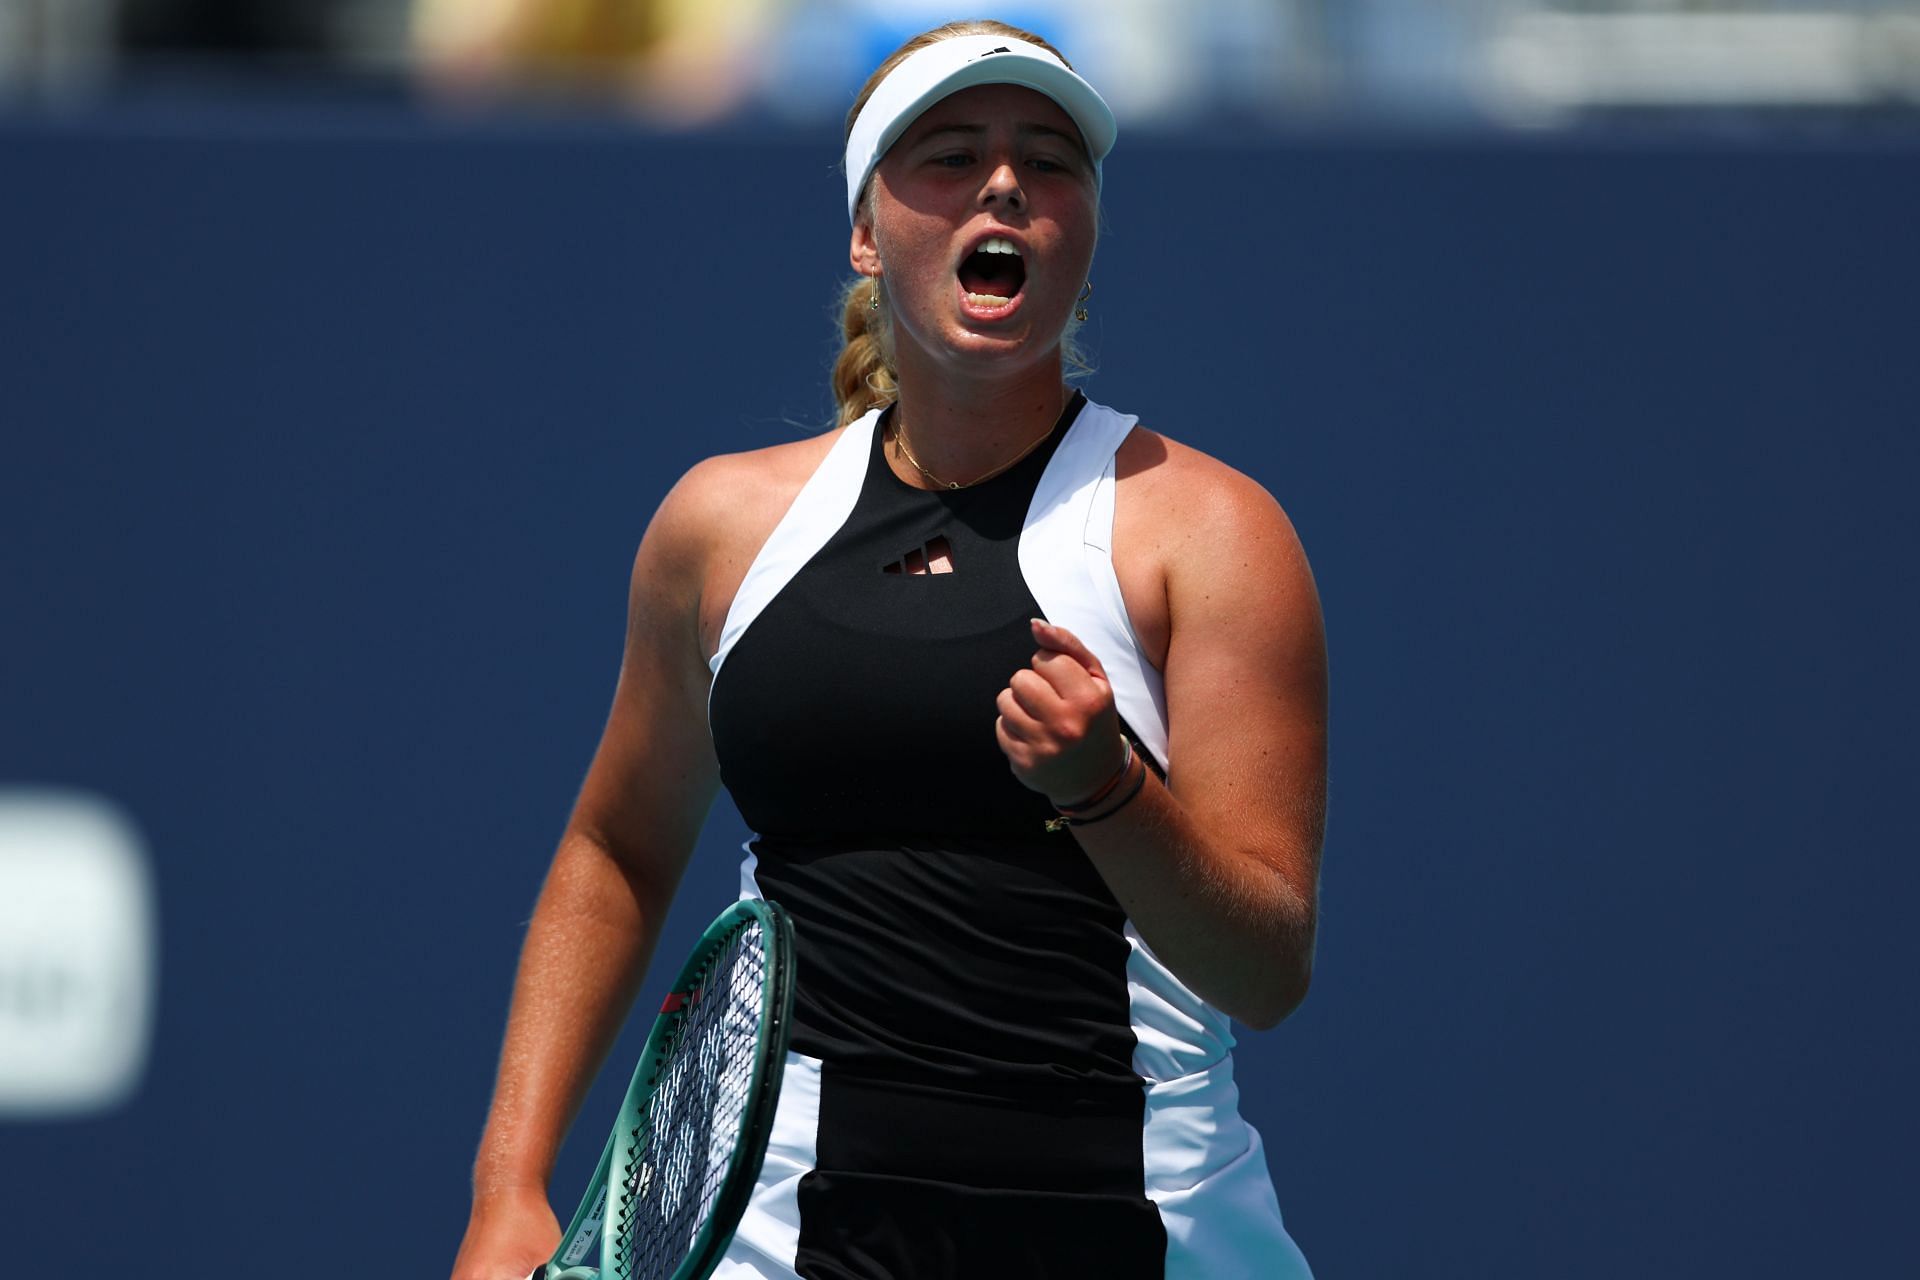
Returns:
(325, 442)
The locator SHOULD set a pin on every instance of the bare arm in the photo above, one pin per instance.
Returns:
(593, 931)
(1218, 869)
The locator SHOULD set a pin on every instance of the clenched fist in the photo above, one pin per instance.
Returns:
(1057, 724)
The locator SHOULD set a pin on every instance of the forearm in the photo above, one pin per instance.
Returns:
(586, 951)
(1237, 927)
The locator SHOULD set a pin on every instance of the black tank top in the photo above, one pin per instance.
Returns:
(861, 700)
(962, 972)
(854, 724)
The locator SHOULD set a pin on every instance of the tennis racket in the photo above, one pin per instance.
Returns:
(692, 1132)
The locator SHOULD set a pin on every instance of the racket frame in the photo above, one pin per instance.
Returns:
(593, 1221)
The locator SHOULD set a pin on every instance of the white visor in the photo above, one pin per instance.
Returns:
(962, 62)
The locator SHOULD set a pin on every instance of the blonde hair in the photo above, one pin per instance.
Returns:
(864, 376)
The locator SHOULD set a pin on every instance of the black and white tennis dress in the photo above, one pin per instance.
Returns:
(991, 1073)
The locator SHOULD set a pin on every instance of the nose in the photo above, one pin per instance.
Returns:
(1003, 187)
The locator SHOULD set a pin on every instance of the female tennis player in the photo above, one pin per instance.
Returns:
(1026, 703)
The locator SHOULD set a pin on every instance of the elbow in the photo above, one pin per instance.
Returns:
(1274, 1005)
(1285, 989)
(1291, 938)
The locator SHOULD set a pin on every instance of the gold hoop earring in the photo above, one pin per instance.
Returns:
(1081, 313)
(873, 303)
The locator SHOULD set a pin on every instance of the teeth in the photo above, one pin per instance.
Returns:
(998, 244)
(988, 300)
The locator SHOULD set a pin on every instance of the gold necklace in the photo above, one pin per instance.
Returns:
(900, 438)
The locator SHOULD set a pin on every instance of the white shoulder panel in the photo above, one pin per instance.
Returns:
(822, 506)
(1066, 558)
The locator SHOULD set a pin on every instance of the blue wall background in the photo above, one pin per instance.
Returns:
(325, 441)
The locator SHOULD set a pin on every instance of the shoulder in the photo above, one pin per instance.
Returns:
(726, 486)
(1190, 503)
(1201, 548)
(715, 519)
(722, 499)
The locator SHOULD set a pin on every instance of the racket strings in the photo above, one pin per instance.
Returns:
(682, 1143)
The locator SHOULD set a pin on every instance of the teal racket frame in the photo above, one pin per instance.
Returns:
(592, 1222)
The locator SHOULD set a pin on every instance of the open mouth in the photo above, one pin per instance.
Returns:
(993, 274)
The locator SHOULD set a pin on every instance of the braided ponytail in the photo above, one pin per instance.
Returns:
(863, 375)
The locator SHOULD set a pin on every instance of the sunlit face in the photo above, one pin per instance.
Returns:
(989, 169)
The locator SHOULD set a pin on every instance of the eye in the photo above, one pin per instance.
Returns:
(953, 160)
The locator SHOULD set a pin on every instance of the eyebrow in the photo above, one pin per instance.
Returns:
(976, 130)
